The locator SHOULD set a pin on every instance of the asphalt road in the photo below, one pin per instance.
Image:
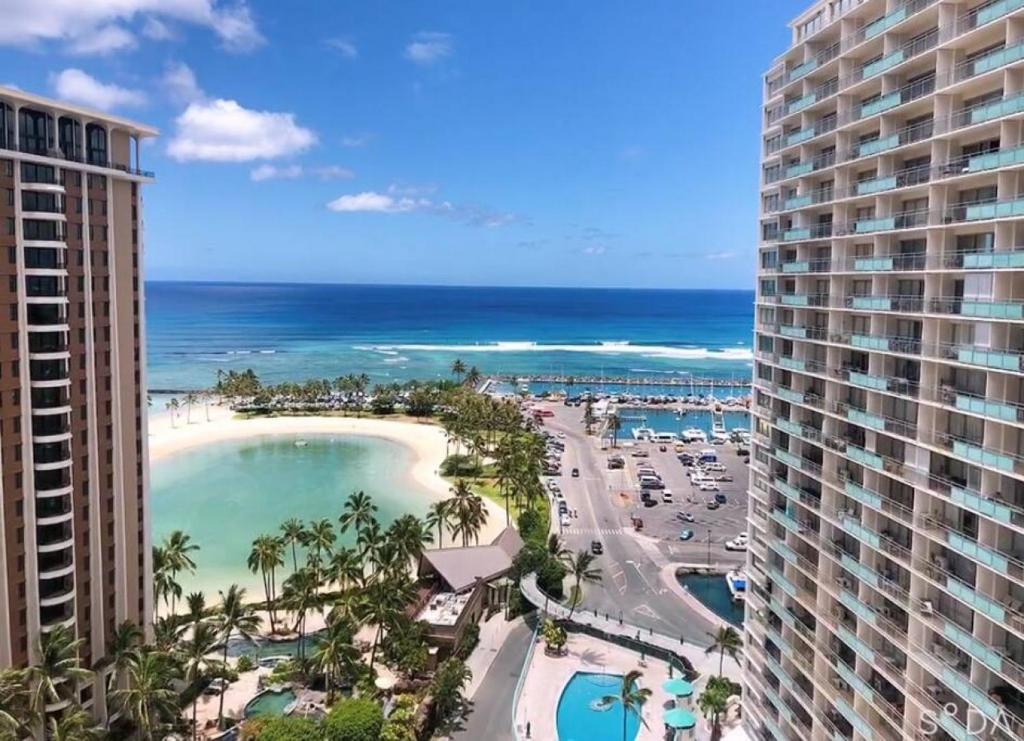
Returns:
(631, 585)
(491, 714)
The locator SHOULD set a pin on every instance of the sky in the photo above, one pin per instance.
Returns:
(509, 142)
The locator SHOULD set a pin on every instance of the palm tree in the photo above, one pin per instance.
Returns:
(588, 416)
(458, 369)
(178, 547)
(190, 399)
(194, 656)
(195, 603)
(299, 594)
(465, 512)
(713, 702)
(294, 534)
(165, 586)
(53, 676)
(473, 376)
(147, 699)
(410, 534)
(632, 697)
(16, 714)
(725, 640)
(123, 644)
(384, 602)
(357, 512)
(581, 568)
(266, 556)
(335, 655)
(234, 617)
(172, 407)
(437, 517)
(74, 724)
(614, 425)
(345, 568)
(368, 542)
(319, 543)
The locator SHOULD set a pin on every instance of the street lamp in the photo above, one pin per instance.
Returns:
(709, 549)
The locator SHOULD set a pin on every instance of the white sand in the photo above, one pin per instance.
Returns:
(427, 442)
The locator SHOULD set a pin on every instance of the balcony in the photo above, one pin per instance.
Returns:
(880, 105)
(988, 358)
(795, 106)
(867, 226)
(798, 169)
(796, 235)
(877, 185)
(989, 111)
(865, 458)
(876, 146)
(800, 136)
(881, 65)
(794, 299)
(801, 70)
(1009, 260)
(985, 408)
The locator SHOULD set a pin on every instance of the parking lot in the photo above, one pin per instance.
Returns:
(712, 527)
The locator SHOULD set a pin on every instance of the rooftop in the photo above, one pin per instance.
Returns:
(444, 608)
(460, 568)
(31, 99)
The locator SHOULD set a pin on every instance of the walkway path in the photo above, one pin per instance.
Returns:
(705, 664)
(491, 716)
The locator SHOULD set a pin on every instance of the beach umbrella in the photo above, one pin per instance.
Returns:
(678, 687)
(679, 719)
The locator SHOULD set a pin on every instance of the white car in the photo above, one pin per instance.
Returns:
(707, 486)
(566, 520)
(561, 435)
(666, 495)
(736, 545)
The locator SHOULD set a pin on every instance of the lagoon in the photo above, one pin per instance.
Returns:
(225, 494)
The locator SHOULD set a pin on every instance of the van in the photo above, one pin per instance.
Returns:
(651, 482)
(708, 455)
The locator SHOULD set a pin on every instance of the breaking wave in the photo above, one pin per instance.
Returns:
(603, 348)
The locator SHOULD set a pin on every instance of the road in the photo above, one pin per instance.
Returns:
(491, 714)
(631, 565)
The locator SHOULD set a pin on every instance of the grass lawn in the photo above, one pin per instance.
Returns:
(487, 488)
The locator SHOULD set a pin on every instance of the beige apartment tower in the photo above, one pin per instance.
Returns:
(887, 485)
(74, 521)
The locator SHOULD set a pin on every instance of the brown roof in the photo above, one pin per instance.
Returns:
(460, 568)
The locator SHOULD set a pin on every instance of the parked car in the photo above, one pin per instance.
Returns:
(686, 535)
(736, 545)
(650, 502)
(616, 462)
(720, 498)
(639, 454)
(565, 519)
(712, 504)
(686, 516)
(666, 495)
(575, 473)
(707, 486)
(663, 448)
(216, 686)
(596, 548)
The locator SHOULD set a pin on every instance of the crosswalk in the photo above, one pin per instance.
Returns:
(592, 531)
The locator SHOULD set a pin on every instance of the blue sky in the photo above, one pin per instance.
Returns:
(482, 143)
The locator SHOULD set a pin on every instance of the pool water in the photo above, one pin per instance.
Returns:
(269, 703)
(714, 594)
(583, 717)
(263, 648)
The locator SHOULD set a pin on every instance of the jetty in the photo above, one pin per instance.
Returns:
(681, 381)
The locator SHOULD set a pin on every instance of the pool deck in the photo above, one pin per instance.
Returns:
(547, 676)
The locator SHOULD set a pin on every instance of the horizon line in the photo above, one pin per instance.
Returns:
(439, 285)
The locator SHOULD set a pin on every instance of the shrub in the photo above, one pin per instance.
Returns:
(356, 719)
(246, 663)
(461, 465)
(531, 527)
(470, 638)
(279, 729)
(401, 724)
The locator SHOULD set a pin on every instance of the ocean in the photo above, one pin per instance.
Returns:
(396, 333)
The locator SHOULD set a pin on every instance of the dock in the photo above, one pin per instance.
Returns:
(682, 382)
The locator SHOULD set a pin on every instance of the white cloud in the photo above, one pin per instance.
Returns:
(223, 131)
(407, 199)
(594, 249)
(356, 140)
(76, 23)
(106, 40)
(720, 256)
(156, 30)
(426, 48)
(294, 172)
(344, 47)
(76, 86)
(180, 81)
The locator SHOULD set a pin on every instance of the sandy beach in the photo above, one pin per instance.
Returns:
(426, 441)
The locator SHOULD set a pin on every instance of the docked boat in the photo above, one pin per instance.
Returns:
(643, 433)
(693, 435)
(737, 582)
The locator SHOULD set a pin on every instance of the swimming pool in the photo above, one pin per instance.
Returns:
(583, 717)
(269, 702)
(713, 592)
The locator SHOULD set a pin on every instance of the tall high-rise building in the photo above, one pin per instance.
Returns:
(887, 482)
(74, 521)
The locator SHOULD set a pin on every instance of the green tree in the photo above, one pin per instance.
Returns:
(725, 640)
(473, 377)
(74, 724)
(354, 719)
(713, 703)
(320, 545)
(56, 670)
(234, 618)
(632, 697)
(581, 568)
(357, 512)
(300, 595)
(614, 425)
(447, 689)
(345, 568)
(437, 517)
(401, 724)
(147, 699)
(17, 716)
(266, 556)
(294, 533)
(194, 655)
(466, 511)
(335, 656)
(458, 369)
(410, 534)
(281, 728)
(178, 549)
(123, 644)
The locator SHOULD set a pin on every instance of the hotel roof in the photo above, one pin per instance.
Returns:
(460, 568)
(32, 99)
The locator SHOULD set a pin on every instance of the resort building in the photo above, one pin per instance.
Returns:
(886, 554)
(74, 521)
(458, 585)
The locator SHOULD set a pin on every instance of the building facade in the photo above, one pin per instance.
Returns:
(887, 487)
(74, 521)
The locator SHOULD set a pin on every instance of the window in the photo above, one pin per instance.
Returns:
(811, 26)
(32, 173)
(32, 131)
(96, 137)
(920, 85)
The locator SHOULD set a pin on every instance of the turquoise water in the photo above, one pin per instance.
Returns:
(263, 648)
(577, 718)
(269, 703)
(293, 332)
(226, 494)
(666, 420)
(714, 594)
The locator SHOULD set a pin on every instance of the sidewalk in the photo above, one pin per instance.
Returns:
(493, 633)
